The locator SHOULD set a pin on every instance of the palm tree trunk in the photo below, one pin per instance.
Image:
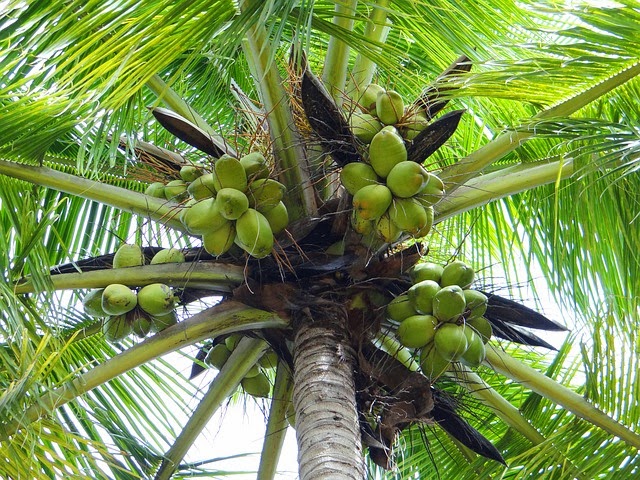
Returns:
(327, 428)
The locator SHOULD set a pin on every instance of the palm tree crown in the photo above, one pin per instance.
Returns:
(531, 124)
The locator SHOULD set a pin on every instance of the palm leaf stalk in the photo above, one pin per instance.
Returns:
(364, 67)
(138, 203)
(243, 357)
(216, 277)
(468, 167)
(503, 182)
(224, 318)
(498, 404)
(334, 74)
(277, 422)
(291, 159)
(506, 365)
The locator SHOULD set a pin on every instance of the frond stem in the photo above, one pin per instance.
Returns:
(506, 365)
(137, 203)
(243, 357)
(226, 317)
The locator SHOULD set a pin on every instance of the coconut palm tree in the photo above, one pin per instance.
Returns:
(528, 117)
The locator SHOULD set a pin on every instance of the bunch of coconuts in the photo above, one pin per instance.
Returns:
(140, 311)
(391, 195)
(256, 383)
(443, 317)
(234, 203)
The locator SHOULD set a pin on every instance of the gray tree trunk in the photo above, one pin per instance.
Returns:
(327, 428)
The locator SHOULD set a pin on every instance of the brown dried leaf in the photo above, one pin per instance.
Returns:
(190, 133)
(433, 137)
(430, 100)
(327, 121)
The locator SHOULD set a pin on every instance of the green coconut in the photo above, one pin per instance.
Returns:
(257, 386)
(422, 294)
(432, 364)
(450, 341)
(477, 303)
(417, 331)
(426, 271)
(449, 303)
(128, 255)
(175, 190)
(160, 322)
(188, 173)
(400, 308)
(168, 255)
(92, 303)
(217, 356)
(278, 217)
(155, 189)
(356, 175)
(482, 327)
(116, 328)
(118, 299)
(457, 273)
(156, 299)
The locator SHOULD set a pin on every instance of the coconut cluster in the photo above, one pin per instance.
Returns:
(380, 108)
(256, 382)
(140, 311)
(234, 203)
(391, 194)
(442, 316)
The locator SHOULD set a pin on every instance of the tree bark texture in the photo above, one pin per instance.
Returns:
(327, 428)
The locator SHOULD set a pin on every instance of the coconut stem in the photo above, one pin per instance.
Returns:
(243, 357)
(218, 277)
(138, 203)
(506, 365)
(334, 74)
(226, 317)
(501, 183)
(470, 166)
(277, 423)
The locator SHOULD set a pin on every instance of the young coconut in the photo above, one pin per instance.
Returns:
(422, 294)
(450, 341)
(426, 271)
(156, 299)
(400, 308)
(116, 328)
(155, 189)
(449, 303)
(257, 386)
(356, 175)
(188, 173)
(387, 149)
(175, 190)
(278, 218)
(92, 303)
(417, 331)
(389, 107)
(254, 234)
(118, 299)
(128, 256)
(217, 355)
(202, 187)
(255, 166)
(228, 172)
(168, 255)
(371, 201)
(457, 273)
(160, 322)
